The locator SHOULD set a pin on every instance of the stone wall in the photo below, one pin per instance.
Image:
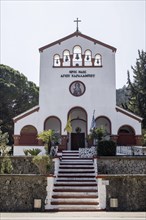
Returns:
(130, 190)
(17, 192)
(122, 165)
(23, 165)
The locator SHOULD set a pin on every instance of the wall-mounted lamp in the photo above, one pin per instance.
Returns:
(113, 202)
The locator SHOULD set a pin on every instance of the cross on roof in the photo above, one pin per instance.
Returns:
(77, 20)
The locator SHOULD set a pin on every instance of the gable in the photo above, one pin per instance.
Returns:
(76, 34)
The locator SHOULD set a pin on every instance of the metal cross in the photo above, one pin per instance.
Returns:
(77, 23)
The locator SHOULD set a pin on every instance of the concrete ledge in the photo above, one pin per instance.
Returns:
(108, 176)
(129, 157)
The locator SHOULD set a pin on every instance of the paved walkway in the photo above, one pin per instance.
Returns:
(75, 216)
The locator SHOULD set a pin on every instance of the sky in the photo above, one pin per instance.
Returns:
(28, 25)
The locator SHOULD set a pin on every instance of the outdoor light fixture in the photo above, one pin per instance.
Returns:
(37, 203)
(113, 202)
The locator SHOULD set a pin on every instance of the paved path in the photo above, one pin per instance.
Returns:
(75, 216)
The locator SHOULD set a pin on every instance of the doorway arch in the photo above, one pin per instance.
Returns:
(78, 117)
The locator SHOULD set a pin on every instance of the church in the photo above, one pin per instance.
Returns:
(77, 78)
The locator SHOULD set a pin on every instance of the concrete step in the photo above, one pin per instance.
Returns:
(78, 175)
(70, 155)
(75, 189)
(75, 158)
(70, 151)
(75, 179)
(74, 208)
(80, 161)
(75, 184)
(76, 171)
(76, 166)
(70, 158)
(75, 195)
(74, 201)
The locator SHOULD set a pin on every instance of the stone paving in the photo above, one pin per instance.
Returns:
(75, 216)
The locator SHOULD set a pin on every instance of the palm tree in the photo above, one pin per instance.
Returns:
(47, 137)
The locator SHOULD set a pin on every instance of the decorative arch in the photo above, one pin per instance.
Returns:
(28, 135)
(88, 58)
(54, 123)
(77, 56)
(103, 121)
(126, 135)
(66, 58)
(56, 60)
(98, 60)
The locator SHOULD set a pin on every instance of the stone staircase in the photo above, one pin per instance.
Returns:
(75, 187)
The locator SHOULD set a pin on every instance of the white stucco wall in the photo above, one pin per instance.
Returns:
(55, 98)
(54, 89)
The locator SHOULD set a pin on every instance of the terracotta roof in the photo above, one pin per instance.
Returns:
(76, 34)
(130, 114)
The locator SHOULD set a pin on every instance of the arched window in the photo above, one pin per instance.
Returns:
(53, 123)
(66, 58)
(77, 56)
(56, 60)
(98, 60)
(28, 135)
(105, 123)
(87, 59)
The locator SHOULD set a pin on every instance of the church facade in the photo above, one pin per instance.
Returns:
(77, 77)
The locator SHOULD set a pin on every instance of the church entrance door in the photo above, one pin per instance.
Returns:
(77, 141)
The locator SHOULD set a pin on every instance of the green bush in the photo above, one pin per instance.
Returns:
(44, 163)
(106, 148)
(6, 166)
(33, 152)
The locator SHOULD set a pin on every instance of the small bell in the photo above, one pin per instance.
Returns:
(87, 58)
(77, 56)
(97, 61)
(57, 61)
(66, 58)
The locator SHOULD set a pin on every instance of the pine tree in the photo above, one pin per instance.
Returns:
(137, 97)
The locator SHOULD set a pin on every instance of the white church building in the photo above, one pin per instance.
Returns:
(77, 76)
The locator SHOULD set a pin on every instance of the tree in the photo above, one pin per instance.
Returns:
(137, 97)
(17, 95)
(4, 139)
(122, 96)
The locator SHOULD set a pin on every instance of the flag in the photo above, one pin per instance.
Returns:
(93, 122)
(68, 127)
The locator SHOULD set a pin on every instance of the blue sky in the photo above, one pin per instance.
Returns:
(29, 25)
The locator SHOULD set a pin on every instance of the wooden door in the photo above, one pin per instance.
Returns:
(77, 141)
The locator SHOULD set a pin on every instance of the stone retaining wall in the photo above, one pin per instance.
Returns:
(122, 165)
(17, 192)
(23, 165)
(130, 190)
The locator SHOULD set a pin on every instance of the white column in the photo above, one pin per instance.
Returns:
(102, 192)
(49, 189)
(95, 166)
(56, 161)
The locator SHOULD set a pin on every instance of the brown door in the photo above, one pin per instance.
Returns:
(77, 140)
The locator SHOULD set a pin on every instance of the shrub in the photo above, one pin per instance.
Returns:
(33, 152)
(6, 165)
(106, 148)
(44, 163)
